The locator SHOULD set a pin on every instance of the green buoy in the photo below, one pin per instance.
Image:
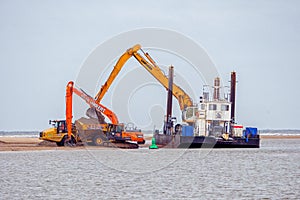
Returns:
(153, 145)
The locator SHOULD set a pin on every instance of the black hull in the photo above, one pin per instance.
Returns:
(177, 141)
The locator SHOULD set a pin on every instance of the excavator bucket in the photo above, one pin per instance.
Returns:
(93, 113)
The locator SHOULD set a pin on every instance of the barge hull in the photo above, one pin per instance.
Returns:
(176, 141)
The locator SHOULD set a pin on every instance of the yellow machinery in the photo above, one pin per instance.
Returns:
(185, 101)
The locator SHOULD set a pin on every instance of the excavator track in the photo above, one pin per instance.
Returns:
(121, 145)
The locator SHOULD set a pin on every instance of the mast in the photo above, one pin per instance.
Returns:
(168, 123)
(232, 95)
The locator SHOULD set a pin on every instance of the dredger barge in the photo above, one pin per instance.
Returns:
(209, 124)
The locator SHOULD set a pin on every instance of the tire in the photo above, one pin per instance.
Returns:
(59, 144)
(98, 140)
(72, 142)
(64, 142)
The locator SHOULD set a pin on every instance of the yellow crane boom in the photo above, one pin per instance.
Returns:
(149, 64)
(117, 68)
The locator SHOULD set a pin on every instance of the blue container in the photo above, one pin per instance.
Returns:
(187, 131)
(250, 131)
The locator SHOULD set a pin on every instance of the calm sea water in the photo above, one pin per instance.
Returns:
(271, 172)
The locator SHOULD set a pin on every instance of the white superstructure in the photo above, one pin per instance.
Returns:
(212, 116)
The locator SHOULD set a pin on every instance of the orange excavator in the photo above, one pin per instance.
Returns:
(64, 132)
(185, 101)
(132, 135)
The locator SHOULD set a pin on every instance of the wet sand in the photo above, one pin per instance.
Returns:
(25, 144)
(32, 144)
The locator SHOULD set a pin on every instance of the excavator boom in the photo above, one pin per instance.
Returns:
(121, 62)
(90, 101)
(182, 97)
(149, 64)
(69, 107)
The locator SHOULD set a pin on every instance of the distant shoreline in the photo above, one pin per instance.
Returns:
(280, 136)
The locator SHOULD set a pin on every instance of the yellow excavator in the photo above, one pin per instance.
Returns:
(185, 101)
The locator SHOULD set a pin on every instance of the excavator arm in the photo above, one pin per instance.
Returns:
(182, 97)
(89, 100)
(149, 64)
(121, 62)
(69, 108)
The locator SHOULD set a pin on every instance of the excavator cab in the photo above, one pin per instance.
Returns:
(116, 132)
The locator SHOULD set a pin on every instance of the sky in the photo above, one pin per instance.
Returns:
(45, 43)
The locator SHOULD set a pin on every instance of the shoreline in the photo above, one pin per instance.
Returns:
(279, 136)
(34, 144)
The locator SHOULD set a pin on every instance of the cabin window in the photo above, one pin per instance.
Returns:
(225, 107)
(189, 113)
(212, 107)
(202, 106)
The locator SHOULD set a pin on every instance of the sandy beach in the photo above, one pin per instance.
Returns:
(32, 144)
(29, 144)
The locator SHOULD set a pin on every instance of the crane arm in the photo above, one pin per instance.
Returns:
(149, 64)
(117, 68)
(89, 100)
(182, 97)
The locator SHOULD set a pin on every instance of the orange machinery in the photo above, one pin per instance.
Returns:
(136, 136)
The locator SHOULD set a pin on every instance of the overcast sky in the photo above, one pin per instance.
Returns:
(44, 43)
